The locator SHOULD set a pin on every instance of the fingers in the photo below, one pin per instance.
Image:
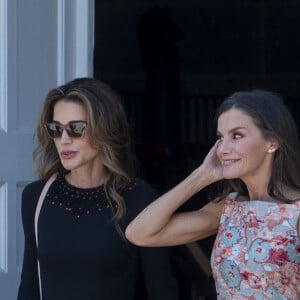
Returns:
(213, 150)
(217, 143)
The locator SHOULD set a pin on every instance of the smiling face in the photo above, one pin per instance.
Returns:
(75, 153)
(242, 150)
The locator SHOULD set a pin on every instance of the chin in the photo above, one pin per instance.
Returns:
(69, 167)
(230, 176)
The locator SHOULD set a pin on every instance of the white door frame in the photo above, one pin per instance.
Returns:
(75, 38)
(28, 69)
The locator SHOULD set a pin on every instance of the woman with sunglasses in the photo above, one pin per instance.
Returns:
(75, 246)
(256, 254)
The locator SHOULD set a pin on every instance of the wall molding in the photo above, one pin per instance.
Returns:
(61, 5)
(75, 44)
(3, 228)
(3, 65)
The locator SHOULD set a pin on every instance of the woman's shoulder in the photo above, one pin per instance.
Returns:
(32, 191)
(33, 187)
(30, 196)
(137, 195)
(138, 187)
(290, 195)
(294, 196)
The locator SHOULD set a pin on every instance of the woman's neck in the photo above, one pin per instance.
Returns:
(88, 177)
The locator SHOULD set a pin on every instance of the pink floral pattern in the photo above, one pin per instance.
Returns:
(256, 255)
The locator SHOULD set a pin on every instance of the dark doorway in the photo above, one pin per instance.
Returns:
(175, 62)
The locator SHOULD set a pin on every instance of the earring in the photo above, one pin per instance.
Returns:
(271, 150)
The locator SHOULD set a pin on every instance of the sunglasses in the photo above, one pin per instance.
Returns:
(75, 129)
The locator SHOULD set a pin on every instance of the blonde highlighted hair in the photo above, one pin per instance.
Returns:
(107, 129)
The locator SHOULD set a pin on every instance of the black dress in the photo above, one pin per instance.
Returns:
(81, 254)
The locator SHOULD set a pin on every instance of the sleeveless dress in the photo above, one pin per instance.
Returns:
(256, 254)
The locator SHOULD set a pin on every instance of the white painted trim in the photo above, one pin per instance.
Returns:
(3, 228)
(75, 39)
(61, 5)
(84, 37)
(3, 65)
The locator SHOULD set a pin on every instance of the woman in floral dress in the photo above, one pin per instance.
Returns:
(256, 254)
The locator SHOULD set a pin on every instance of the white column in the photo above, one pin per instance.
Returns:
(75, 33)
(3, 65)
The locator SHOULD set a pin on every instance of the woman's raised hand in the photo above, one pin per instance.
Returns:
(212, 165)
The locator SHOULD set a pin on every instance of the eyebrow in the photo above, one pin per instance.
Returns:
(70, 122)
(234, 129)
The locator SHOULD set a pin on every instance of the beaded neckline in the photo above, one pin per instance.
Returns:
(63, 181)
(78, 201)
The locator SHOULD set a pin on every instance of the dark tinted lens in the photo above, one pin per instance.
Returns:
(54, 130)
(76, 129)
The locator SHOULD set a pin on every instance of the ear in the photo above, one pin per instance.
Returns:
(273, 146)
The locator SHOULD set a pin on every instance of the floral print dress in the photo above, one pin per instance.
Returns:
(256, 254)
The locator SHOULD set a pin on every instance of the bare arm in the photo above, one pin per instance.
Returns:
(157, 225)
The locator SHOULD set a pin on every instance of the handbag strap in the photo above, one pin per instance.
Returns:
(36, 219)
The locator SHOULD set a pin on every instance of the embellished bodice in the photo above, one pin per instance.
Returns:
(77, 201)
(81, 253)
(256, 254)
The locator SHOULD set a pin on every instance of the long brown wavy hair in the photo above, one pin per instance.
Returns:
(274, 120)
(107, 130)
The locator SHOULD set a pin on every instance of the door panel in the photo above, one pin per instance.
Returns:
(35, 56)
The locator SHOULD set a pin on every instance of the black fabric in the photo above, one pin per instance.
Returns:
(82, 256)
